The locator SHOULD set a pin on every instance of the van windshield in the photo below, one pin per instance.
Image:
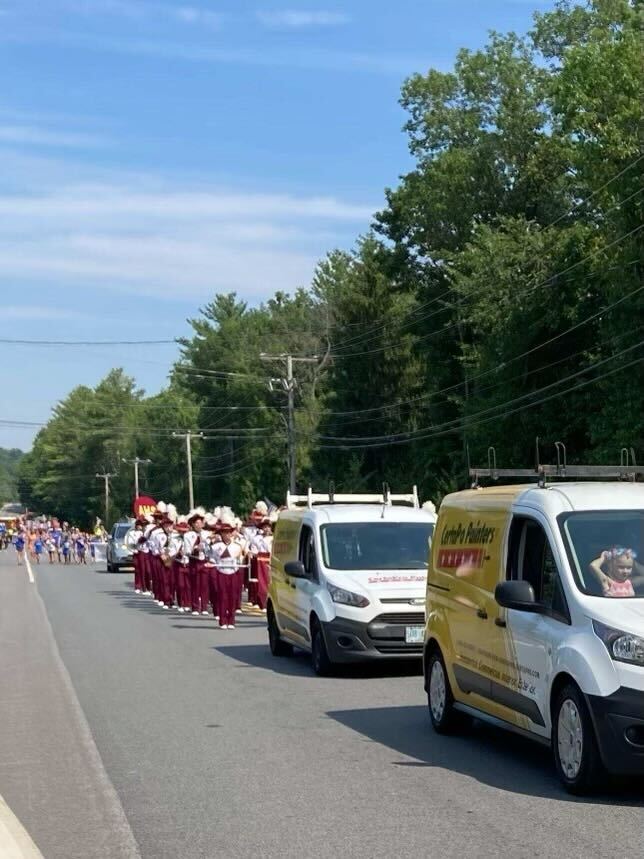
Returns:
(376, 545)
(120, 531)
(605, 551)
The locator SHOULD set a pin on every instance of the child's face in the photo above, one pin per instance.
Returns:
(621, 568)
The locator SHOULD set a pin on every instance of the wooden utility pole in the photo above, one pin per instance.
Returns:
(136, 462)
(289, 383)
(188, 437)
(106, 477)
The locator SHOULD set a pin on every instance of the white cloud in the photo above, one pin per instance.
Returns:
(33, 312)
(147, 236)
(147, 11)
(29, 135)
(293, 19)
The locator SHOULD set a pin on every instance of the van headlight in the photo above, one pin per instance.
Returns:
(339, 595)
(622, 646)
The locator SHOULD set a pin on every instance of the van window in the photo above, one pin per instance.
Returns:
(307, 552)
(605, 549)
(531, 559)
(120, 531)
(376, 545)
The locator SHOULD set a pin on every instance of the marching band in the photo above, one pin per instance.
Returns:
(202, 562)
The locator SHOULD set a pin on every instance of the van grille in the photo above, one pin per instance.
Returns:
(408, 618)
(403, 649)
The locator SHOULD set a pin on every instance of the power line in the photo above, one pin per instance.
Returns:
(462, 423)
(500, 366)
(87, 342)
(542, 229)
(527, 291)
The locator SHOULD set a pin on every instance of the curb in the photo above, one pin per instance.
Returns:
(15, 842)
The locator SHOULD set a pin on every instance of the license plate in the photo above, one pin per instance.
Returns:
(414, 634)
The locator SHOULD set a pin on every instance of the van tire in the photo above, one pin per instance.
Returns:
(278, 646)
(322, 665)
(579, 773)
(440, 701)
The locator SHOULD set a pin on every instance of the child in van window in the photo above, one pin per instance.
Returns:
(614, 569)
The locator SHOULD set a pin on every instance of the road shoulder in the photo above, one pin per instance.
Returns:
(51, 773)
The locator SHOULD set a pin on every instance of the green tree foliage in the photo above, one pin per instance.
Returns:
(9, 460)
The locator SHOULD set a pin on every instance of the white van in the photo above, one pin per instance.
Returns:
(535, 619)
(348, 577)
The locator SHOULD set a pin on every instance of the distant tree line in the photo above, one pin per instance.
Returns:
(497, 297)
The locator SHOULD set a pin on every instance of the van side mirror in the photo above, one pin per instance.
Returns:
(518, 595)
(295, 570)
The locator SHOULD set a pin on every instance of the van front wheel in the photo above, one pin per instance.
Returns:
(574, 744)
(439, 696)
(322, 665)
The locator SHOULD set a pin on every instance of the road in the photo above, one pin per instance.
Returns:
(197, 743)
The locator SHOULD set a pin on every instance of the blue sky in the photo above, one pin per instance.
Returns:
(155, 153)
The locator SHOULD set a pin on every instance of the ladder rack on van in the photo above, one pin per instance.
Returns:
(332, 497)
(626, 470)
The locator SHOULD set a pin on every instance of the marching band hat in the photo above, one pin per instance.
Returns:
(197, 513)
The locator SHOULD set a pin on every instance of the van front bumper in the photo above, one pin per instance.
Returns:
(354, 641)
(619, 727)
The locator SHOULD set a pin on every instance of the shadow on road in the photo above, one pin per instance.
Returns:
(490, 755)
(299, 664)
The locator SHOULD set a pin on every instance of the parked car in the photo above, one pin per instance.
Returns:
(118, 555)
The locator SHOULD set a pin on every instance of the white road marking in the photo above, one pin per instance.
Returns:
(15, 842)
(30, 572)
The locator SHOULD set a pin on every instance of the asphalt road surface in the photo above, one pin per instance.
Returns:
(206, 746)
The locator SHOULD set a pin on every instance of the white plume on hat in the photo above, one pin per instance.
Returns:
(182, 520)
(162, 506)
(429, 507)
(273, 517)
(217, 512)
(226, 511)
(261, 507)
(171, 513)
(210, 519)
(227, 518)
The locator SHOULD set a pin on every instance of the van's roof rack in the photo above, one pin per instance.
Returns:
(332, 497)
(626, 470)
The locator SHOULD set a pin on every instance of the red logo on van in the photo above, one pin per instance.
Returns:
(451, 559)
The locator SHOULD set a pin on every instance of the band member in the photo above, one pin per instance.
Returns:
(180, 565)
(260, 549)
(211, 524)
(228, 556)
(156, 540)
(166, 561)
(194, 548)
(144, 548)
(132, 539)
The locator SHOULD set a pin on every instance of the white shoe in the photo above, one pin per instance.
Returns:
(204, 613)
(180, 610)
(216, 617)
(230, 626)
(195, 614)
(159, 602)
(137, 590)
(166, 607)
(238, 611)
(263, 611)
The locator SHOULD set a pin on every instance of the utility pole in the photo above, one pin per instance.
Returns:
(136, 462)
(188, 437)
(289, 384)
(106, 477)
